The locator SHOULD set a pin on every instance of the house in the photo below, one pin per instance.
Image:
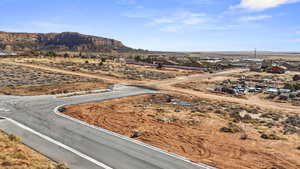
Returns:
(7, 54)
(276, 69)
(272, 91)
(284, 90)
(296, 77)
(3, 54)
(256, 68)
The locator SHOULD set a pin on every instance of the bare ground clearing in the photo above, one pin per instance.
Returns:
(190, 126)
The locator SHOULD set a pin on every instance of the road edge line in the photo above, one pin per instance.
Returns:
(76, 152)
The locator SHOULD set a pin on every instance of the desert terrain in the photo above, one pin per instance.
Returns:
(18, 80)
(192, 127)
(108, 69)
(15, 155)
(188, 119)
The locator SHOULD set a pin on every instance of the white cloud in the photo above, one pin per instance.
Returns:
(171, 28)
(179, 20)
(140, 7)
(298, 32)
(296, 40)
(254, 18)
(259, 5)
(163, 20)
(193, 20)
(126, 2)
(182, 17)
(218, 27)
(170, 22)
(40, 26)
(140, 13)
(49, 26)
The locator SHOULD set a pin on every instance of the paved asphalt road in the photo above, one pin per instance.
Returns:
(96, 145)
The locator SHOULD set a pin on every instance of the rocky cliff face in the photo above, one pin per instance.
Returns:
(66, 41)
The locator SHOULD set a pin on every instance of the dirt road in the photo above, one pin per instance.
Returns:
(184, 79)
(168, 86)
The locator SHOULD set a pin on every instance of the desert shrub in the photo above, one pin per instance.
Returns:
(66, 55)
(14, 138)
(236, 117)
(20, 155)
(51, 54)
(135, 134)
(232, 128)
(166, 119)
(103, 60)
(138, 58)
(7, 163)
(62, 166)
(270, 137)
(292, 86)
(244, 137)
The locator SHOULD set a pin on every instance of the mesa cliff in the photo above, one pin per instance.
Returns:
(66, 41)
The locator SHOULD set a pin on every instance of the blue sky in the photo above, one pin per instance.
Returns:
(169, 25)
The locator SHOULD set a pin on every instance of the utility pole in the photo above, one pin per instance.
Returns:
(255, 53)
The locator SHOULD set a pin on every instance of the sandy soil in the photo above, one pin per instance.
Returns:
(22, 80)
(195, 135)
(109, 80)
(34, 90)
(204, 85)
(117, 71)
(15, 155)
(168, 85)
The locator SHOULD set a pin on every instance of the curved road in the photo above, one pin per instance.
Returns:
(91, 147)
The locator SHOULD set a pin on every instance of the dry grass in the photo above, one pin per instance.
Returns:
(15, 155)
(59, 62)
(18, 80)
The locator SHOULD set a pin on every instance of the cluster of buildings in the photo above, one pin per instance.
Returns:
(216, 63)
(268, 86)
(2, 54)
(244, 86)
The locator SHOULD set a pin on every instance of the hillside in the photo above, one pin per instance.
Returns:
(66, 41)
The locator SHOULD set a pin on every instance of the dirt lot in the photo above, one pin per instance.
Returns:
(210, 83)
(220, 134)
(108, 68)
(17, 80)
(15, 155)
(204, 85)
(215, 86)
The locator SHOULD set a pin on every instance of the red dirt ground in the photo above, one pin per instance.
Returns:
(194, 136)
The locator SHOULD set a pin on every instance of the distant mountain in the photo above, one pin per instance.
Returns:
(59, 42)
